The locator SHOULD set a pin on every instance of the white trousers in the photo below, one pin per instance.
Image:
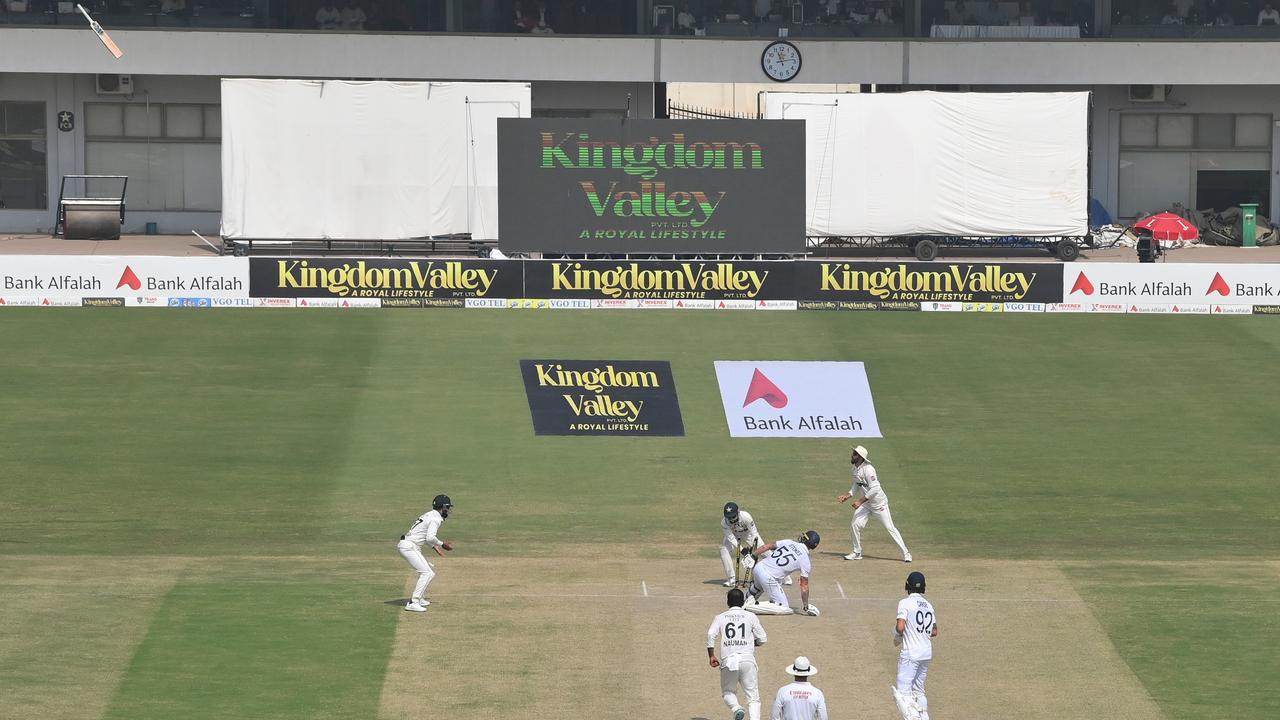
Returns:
(863, 514)
(747, 675)
(727, 552)
(412, 554)
(911, 676)
(770, 585)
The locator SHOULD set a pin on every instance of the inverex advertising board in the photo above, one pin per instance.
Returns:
(687, 186)
(796, 399)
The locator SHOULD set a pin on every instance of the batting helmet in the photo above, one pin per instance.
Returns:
(915, 582)
(810, 539)
(443, 504)
(731, 511)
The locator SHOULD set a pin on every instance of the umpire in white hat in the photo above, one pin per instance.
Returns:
(800, 700)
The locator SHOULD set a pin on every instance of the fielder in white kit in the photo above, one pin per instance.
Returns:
(777, 560)
(869, 499)
(740, 534)
(423, 532)
(740, 634)
(914, 630)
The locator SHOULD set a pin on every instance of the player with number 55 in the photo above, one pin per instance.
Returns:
(914, 630)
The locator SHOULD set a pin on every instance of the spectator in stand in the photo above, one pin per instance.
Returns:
(993, 14)
(1171, 16)
(858, 12)
(763, 7)
(685, 21)
(884, 15)
(352, 17)
(1025, 18)
(833, 10)
(522, 22)
(328, 16)
(173, 7)
(959, 14)
(1268, 15)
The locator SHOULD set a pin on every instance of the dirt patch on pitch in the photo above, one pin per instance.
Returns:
(69, 626)
(614, 639)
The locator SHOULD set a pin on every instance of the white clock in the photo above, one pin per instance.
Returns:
(780, 61)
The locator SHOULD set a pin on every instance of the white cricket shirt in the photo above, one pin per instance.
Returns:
(738, 631)
(799, 701)
(785, 558)
(742, 531)
(424, 529)
(866, 484)
(917, 641)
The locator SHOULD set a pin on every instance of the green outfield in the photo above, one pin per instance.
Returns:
(199, 512)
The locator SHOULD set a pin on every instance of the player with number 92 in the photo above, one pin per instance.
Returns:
(914, 630)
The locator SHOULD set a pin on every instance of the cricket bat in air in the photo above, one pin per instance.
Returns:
(102, 34)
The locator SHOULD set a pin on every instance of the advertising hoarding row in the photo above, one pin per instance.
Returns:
(822, 285)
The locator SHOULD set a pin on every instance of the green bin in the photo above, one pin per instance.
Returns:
(1249, 224)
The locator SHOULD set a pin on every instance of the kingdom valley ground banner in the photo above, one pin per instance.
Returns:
(662, 186)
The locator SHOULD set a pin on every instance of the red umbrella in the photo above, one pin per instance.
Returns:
(1169, 227)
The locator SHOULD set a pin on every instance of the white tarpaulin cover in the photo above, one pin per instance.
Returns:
(305, 159)
(929, 163)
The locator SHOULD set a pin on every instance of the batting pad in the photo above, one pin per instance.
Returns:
(768, 608)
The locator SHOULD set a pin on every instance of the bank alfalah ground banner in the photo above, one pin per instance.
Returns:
(396, 279)
(602, 397)
(663, 279)
(669, 186)
(892, 282)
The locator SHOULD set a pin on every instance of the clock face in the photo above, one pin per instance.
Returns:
(781, 61)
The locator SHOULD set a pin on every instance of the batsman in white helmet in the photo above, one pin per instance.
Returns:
(774, 562)
(869, 499)
(740, 634)
(914, 629)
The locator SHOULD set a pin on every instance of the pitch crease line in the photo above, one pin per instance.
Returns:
(841, 589)
(644, 588)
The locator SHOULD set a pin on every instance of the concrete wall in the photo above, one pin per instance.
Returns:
(636, 59)
(1110, 102)
(65, 154)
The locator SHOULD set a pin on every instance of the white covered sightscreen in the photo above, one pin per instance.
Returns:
(328, 159)
(931, 163)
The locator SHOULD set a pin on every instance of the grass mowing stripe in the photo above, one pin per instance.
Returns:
(255, 649)
(1200, 637)
(176, 432)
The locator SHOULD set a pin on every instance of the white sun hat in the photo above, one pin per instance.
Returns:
(801, 667)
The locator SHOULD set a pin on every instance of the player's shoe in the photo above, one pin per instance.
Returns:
(906, 558)
(730, 583)
(415, 607)
(739, 713)
(853, 556)
(787, 581)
